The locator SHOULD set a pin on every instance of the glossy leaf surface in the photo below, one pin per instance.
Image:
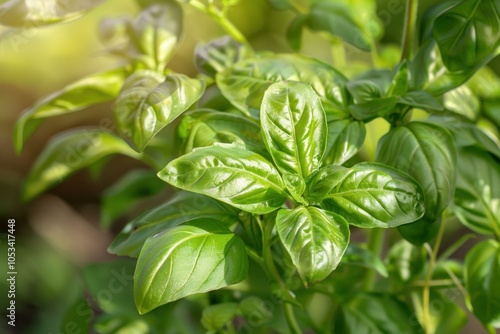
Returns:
(86, 92)
(230, 174)
(294, 127)
(147, 103)
(181, 208)
(187, 260)
(367, 195)
(69, 152)
(315, 240)
(345, 138)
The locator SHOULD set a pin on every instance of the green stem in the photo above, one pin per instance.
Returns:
(409, 29)
(427, 286)
(375, 243)
(290, 318)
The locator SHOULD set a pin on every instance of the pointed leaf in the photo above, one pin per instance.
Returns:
(294, 32)
(315, 240)
(86, 92)
(294, 127)
(420, 99)
(230, 174)
(181, 208)
(372, 109)
(69, 152)
(187, 260)
(367, 195)
(148, 102)
(358, 256)
(345, 138)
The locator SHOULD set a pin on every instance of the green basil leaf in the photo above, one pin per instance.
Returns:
(477, 198)
(427, 153)
(337, 19)
(186, 260)
(86, 92)
(367, 195)
(358, 256)
(294, 31)
(492, 110)
(315, 240)
(244, 84)
(400, 83)
(485, 83)
(482, 274)
(345, 138)
(148, 102)
(363, 90)
(461, 101)
(467, 33)
(375, 314)
(216, 317)
(29, 13)
(420, 99)
(181, 208)
(124, 194)
(219, 54)
(206, 127)
(294, 127)
(230, 174)
(405, 262)
(69, 152)
(281, 4)
(420, 231)
(370, 110)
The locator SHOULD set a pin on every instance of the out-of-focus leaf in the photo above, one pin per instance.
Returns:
(125, 193)
(230, 174)
(69, 152)
(367, 195)
(29, 13)
(187, 260)
(420, 99)
(370, 110)
(244, 84)
(86, 92)
(294, 31)
(359, 256)
(280, 4)
(315, 240)
(181, 208)
(215, 317)
(462, 101)
(148, 102)
(482, 274)
(405, 262)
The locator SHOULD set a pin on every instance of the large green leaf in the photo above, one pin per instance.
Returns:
(427, 153)
(206, 127)
(187, 260)
(477, 198)
(29, 13)
(315, 239)
(294, 127)
(86, 92)
(148, 102)
(482, 274)
(128, 191)
(367, 195)
(181, 208)
(345, 138)
(244, 84)
(467, 32)
(230, 174)
(375, 314)
(69, 152)
(337, 19)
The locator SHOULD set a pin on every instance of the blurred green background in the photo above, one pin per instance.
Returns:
(58, 234)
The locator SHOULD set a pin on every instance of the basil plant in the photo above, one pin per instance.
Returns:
(292, 207)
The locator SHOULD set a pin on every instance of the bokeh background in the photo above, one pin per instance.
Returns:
(58, 233)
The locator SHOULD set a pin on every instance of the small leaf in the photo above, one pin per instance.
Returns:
(463, 102)
(69, 152)
(187, 260)
(345, 138)
(399, 85)
(147, 103)
(294, 127)
(126, 192)
(467, 33)
(337, 19)
(294, 32)
(372, 109)
(482, 274)
(245, 83)
(281, 4)
(230, 174)
(29, 13)
(420, 99)
(86, 92)
(181, 208)
(405, 262)
(363, 90)
(315, 240)
(216, 317)
(367, 195)
(359, 256)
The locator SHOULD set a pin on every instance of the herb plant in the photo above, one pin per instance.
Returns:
(268, 153)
